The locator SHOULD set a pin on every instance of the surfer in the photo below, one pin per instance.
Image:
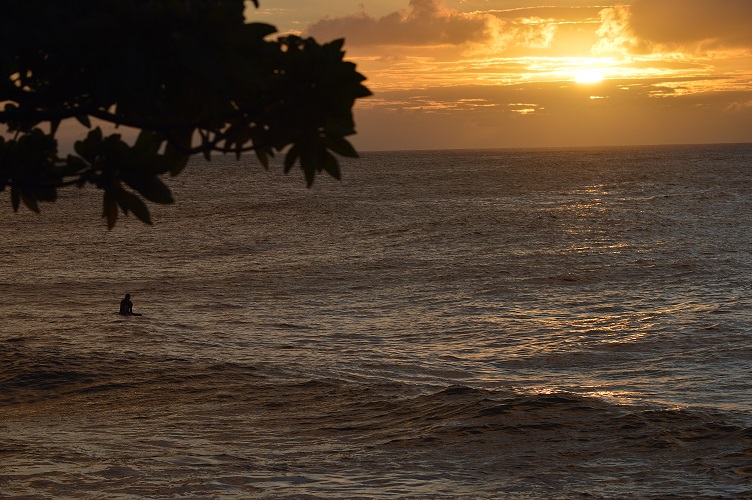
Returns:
(126, 306)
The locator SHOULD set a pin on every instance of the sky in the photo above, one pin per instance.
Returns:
(466, 74)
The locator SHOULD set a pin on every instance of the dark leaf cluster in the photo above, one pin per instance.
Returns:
(191, 75)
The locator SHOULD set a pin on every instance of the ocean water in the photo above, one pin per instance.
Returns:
(466, 324)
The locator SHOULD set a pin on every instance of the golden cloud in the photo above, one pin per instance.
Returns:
(432, 23)
(689, 26)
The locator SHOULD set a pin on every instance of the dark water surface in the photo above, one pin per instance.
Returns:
(480, 324)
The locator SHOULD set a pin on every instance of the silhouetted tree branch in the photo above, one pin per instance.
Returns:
(191, 75)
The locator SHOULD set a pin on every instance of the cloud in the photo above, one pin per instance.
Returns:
(740, 106)
(690, 26)
(700, 23)
(615, 33)
(427, 22)
(552, 114)
(530, 32)
(432, 23)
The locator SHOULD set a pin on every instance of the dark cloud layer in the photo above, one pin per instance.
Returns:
(640, 26)
(699, 24)
(427, 22)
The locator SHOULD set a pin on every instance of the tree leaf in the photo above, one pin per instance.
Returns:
(259, 30)
(178, 143)
(30, 202)
(175, 160)
(147, 142)
(341, 146)
(84, 120)
(336, 45)
(291, 158)
(310, 164)
(331, 166)
(310, 176)
(153, 189)
(109, 208)
(263, 158)
(130, 202)
(89, 149)
(75, 164)
(15, 198)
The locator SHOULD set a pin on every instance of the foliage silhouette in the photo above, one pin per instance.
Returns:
(191, 75)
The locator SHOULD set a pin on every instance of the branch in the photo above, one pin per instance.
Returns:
(207, 145)
(45, 114)
(164, 128)
(62, 183)
(27, 106)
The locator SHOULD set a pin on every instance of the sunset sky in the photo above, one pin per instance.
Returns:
(521, 73)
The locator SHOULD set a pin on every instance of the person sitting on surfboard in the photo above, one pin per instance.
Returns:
(126, 306)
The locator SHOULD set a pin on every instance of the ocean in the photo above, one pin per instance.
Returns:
(552, 323)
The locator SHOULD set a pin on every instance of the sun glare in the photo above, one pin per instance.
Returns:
(588, 76)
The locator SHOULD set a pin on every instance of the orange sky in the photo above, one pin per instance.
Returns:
(515, 73)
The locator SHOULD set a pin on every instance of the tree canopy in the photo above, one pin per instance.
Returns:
(191, 75)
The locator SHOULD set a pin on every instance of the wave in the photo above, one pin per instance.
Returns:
(486, 441)
(30, 375)
(387, 413)
(462, 413)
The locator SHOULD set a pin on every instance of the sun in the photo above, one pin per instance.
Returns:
(589, 75)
